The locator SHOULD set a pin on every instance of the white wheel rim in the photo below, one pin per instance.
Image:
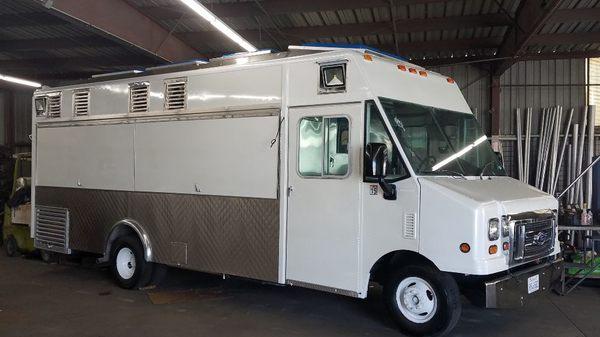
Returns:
(416, 299)
(125, 263)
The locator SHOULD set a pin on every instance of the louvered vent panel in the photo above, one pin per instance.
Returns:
(175, 94)
(52, 229)
(81, 102)
(54, 106)
(410, 224)
(138, 97)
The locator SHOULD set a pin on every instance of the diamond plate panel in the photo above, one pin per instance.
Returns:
(230, 235)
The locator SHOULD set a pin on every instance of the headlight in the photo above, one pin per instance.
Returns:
(505, 227)
(493, 229)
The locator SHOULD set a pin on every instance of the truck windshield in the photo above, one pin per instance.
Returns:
(441, 142)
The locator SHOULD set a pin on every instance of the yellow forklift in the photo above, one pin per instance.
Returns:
(16, 230)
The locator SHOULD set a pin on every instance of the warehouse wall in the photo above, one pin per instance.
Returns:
(15, 118)
(474, 83)
(539, 84)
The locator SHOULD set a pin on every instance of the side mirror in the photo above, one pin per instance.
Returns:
(376, 157)
(499, 155)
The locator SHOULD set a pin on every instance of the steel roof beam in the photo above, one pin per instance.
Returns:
(55, 43)
(447, 61)
(530, 17)
(276, 7)
(363, 29)
(575, 15)
(565, 39)
(123, 22)
(71, 62)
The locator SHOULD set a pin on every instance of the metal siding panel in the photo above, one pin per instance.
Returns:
(230, 235)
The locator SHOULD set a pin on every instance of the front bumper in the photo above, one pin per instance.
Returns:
(512, 290)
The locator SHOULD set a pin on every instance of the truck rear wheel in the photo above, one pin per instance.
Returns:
(423, 301)
(129, 268)
(10, 246)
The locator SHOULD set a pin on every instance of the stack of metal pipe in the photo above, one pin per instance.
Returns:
(554, 155)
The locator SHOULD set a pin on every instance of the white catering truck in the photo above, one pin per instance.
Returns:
(325, 168)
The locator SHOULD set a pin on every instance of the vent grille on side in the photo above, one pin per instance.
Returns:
(175, 94)
(138, 97)
(81, 102)
(52, 229)
(410, 224)
(54, 102)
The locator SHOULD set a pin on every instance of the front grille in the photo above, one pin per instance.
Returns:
(52, 229)
(533, 238)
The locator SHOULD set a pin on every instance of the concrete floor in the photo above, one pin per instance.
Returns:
(37, 299)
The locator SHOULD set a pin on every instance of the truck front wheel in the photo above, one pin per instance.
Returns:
(423, 301)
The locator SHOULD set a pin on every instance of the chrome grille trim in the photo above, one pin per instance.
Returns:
(52, 229)
(532, 235)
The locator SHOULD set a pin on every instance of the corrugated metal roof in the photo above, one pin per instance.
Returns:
(446, 30)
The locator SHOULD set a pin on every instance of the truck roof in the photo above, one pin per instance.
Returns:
(262, 56)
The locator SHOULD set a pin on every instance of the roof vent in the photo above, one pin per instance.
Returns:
(54, 105)
(81, 102)
(175, 94)
(138, 97)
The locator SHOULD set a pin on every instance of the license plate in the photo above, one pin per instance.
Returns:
(533, 283)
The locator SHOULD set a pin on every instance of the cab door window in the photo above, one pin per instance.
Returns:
(324, 147)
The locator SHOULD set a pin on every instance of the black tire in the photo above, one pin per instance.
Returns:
(440, 306)
(133, 271)
(48, 256)
(10, 246)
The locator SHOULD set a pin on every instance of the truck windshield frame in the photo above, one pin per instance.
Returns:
(440, 142)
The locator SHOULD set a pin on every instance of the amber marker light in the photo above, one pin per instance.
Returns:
(368, 57)
(423, 73)
(465, 248)
(412, 70)
(450, 80)
(402, 67)
(493, 249)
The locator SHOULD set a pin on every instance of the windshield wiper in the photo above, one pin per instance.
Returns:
(485, 167)
(453, 173)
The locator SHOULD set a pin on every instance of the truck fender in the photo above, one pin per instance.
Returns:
(128, 227)
(396, 259)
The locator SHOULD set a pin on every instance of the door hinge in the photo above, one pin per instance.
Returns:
(290, 189)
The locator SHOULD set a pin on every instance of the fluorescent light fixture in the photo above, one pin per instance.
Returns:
(199, 9)
(19, 81)
(459, 153)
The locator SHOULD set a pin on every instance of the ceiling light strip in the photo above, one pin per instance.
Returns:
(19, 81)
(199, 9)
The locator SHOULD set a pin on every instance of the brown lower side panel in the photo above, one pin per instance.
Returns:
(230, 235)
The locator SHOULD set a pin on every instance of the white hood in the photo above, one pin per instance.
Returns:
(513, 195)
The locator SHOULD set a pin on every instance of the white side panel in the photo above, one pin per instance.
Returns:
(234, 89)
(231, 157)
(108, 99)
(96, 157)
